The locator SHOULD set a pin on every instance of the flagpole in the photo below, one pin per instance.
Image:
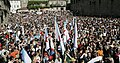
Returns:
(75, 35)
(55, 37)
(8, 43)
(42, 47)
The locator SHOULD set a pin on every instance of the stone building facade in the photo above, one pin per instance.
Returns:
(96, 7)
(24, 3)
(58, 4)
(36, 4)
(4, 11)
(15, 4)
(50, 4)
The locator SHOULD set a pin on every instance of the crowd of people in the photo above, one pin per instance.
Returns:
(97, 37)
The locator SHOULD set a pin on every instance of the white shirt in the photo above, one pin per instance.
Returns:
(10, 62)
(56, 61)
(84, 54)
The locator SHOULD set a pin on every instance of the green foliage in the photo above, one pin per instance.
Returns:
(56, 5)
(37, 7)
(36, 4)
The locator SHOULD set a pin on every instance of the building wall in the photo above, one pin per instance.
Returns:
(14, 6)
(24, 3)
(55, 2)
(96, 7)
(3, 6)
(37, 4)
(58, 4)
(57, 8)
(68, 1)
(4, 11)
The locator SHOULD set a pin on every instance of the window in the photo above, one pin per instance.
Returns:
(1, 19)
(14, 6)
(99, 1)
(62, 3)
(5, 13)
(17, 6)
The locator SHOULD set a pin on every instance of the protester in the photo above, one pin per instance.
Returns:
(26, 36)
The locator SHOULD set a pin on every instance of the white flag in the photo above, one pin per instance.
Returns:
(95, 59)
(17, 38)
(58, 36)
(51, 43)
(75, 36)
(23, 30)
(46, 39)
(25, 56)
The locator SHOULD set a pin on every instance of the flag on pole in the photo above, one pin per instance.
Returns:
(25, 56)
(56, 30)
(61, 42)
(23, 30)
(72, 23)
(58, 36)
(46, 39)
(62, 45)
(95, 59)
(51, 43)
(18, 33)
(68, 37)
(17, 38)
(66, 34)
(75, 36)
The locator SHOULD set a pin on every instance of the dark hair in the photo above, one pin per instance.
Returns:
(1, 59)
(11, 58)
(15, 62)
(4, 53)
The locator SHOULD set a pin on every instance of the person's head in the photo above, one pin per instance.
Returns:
(11, 58)
(82, 61)
(100, 48)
